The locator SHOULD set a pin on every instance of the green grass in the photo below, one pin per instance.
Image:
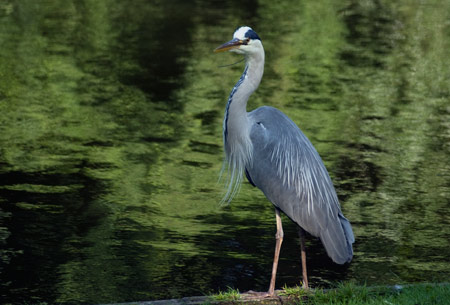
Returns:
(227, 296)
(296, 292)
(352, 294)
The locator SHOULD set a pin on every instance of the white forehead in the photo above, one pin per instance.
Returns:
(240, 33)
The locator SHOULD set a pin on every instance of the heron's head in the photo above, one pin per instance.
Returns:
(245, 41)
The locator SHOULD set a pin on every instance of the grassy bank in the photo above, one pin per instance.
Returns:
(350, 293)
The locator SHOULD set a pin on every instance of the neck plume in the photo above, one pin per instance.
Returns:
(236, 125)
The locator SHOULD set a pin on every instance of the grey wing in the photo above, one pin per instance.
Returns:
(290, 172)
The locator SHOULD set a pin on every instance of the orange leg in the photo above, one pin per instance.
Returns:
(279, 239)
(303, 249)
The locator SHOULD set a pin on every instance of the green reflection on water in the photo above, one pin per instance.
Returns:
(110, 143)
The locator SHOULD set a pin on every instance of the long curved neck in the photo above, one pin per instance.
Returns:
(236, 127)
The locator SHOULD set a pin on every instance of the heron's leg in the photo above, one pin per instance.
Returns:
(301, 232)
(279, 239)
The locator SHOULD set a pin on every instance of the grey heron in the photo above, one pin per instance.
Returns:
(278, 158)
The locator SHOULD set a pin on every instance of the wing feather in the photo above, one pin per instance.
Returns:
(290, 172)
(299, 166)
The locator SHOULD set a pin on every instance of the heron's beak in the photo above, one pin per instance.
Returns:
(232, 44)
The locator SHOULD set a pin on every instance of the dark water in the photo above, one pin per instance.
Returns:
(110, 144)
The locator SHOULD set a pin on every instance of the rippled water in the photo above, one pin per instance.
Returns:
(110, 144)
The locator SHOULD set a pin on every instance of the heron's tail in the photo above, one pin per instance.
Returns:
(338, 239)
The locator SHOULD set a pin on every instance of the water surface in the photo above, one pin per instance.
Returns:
(110, 144)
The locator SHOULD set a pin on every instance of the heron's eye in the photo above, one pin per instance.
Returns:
(247, 40)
